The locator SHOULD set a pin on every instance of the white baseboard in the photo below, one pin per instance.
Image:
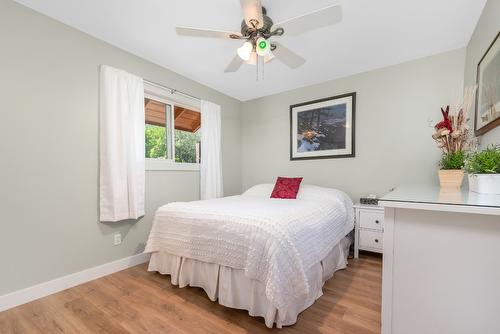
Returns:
(31, 293)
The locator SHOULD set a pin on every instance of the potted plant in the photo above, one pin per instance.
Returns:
(452, 136)
(483, 168)
(451, 174)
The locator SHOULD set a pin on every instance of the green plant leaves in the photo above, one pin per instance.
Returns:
(453, 160)
(484, 162)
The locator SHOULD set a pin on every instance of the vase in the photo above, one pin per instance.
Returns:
(484, 183)
(451, 178)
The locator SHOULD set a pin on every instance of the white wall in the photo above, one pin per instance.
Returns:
(49, 150)
(394, 107)
(486, 30)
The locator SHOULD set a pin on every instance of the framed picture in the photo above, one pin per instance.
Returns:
(323, 129)
(487, 115)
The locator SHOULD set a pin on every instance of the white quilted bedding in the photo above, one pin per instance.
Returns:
(274, 241)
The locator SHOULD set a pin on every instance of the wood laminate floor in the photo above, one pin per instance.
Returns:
(137, 301)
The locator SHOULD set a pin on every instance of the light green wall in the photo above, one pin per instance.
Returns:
(49, 150)
(49, 140)
(395, 109)
(485, 32)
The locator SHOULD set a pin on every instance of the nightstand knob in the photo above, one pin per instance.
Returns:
(376, 240)
(377, 222)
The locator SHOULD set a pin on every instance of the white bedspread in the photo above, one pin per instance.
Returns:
(274, 241)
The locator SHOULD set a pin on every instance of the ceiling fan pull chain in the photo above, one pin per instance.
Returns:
(262, 63)
(257, 69)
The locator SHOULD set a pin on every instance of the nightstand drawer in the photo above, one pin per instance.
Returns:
(370, 239)
(371, 219)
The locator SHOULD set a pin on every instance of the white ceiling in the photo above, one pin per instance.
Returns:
(373, 34)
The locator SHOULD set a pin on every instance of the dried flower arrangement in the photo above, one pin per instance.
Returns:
(453, 133)
(453, 137)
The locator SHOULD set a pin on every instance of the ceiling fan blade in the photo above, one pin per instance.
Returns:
(252, 10)
(234, 65)
(287, 56)
(202, 32)
(317, 19)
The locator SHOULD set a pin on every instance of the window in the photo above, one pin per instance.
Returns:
(187, 124)
(172, 133)
(156, 130)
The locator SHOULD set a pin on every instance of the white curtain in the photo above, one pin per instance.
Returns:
(121, 145)
(211, 162)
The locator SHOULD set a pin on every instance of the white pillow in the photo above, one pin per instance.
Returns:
(260, 190)
(306, 192)
(315, 193)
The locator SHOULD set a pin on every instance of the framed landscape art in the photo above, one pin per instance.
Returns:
(487, 115)
(323, 129)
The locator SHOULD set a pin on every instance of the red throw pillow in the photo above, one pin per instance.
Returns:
(286, 187)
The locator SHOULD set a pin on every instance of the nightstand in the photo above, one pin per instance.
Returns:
(369, 228)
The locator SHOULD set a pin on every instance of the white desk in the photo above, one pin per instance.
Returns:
(441, 267)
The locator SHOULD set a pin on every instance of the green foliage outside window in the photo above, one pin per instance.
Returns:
(156, 142)
(185, 144)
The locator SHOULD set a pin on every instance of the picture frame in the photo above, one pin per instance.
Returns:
(487, 111)
(324, 128)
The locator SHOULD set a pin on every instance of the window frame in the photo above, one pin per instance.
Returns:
(157, 164)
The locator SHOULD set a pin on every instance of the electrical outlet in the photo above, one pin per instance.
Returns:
(118, 238)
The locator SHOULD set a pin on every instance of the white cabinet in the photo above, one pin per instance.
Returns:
(441, 266)
(369, 228)
(370, 240)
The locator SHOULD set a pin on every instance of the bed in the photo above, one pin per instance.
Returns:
(268, 256)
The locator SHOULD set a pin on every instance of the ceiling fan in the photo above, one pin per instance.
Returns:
(257, 29)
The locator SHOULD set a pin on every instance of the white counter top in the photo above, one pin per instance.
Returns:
(431, 197)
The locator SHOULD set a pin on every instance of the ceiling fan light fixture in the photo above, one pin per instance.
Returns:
(252, 60)
(262, 46)
(245, 51)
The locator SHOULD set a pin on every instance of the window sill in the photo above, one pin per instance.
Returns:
(159, 164)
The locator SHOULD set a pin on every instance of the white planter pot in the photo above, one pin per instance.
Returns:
(484, 183)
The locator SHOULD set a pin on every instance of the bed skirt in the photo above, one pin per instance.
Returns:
(233, 289)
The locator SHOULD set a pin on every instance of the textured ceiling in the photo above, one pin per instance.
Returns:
(372, 34)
